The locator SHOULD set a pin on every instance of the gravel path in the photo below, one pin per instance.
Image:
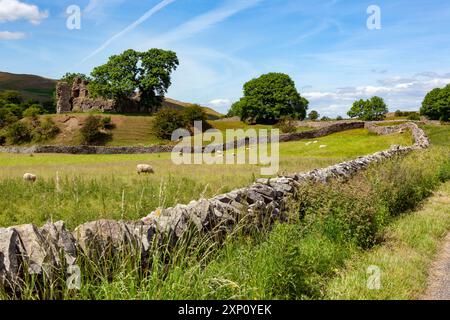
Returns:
(439, 281)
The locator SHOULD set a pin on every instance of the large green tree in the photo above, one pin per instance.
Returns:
(436, 105)
(269, 98)
(147, 73)
(369, 110)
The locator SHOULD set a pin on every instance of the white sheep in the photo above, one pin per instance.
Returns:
(144, 168)
(29, 177)
(322, 146)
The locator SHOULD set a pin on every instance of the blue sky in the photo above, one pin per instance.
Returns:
(324, 45)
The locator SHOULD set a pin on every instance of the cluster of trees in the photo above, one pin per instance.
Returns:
(13, 107)
(436, 105)
(123, 76)
(168, 120)
(268, 99)
(373, 109)
(19, 121)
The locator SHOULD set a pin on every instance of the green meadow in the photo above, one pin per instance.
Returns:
(81, 188)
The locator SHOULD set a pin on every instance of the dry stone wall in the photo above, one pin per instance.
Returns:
(43, 251)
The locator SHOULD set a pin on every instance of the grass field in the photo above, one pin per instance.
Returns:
(321, 253)
(331, 227)
(107, 186)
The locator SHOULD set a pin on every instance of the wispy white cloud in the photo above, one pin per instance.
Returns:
(131, 27)
(99, 9)
(12, 10)
(7, 35)
(203, 22)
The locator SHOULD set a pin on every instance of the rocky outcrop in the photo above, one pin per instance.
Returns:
(43, 250)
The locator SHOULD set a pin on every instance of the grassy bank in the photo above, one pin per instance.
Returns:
(403, 258)
(329, 226)
(107, 186)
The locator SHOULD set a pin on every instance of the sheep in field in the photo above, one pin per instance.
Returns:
(29, 177)
(144, 168)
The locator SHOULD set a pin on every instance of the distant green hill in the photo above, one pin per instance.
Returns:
(30, 86)
(42, 89)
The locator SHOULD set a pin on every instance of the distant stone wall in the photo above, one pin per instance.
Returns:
(87, 149)
(52, 247)
(166, 148)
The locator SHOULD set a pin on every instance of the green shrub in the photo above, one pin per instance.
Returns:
(93, 131)
(45, 130)
(6, 117)
(287, 125)
(34, 110)
(107, 123)
(167, 121)
(414, 116)
(18, 133)
(195, 113)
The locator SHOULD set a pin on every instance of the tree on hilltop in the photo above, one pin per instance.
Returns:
(147, 73)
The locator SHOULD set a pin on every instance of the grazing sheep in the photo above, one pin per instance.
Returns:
(316, 141)
(144, 168)
(308, 143)
(29, 177)
(322, 146)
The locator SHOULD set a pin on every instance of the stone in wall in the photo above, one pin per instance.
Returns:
(10, 257)
(84, 104)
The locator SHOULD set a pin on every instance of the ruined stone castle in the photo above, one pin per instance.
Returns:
(78, 99)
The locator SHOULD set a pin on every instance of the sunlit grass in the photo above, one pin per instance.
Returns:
(92, 185)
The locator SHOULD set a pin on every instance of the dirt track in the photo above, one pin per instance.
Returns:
(439, 281)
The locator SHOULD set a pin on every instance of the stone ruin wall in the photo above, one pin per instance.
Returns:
(52, 247)
(77, 98)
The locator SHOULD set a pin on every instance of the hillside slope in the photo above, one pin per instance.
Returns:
(30, 86)
(42, 89)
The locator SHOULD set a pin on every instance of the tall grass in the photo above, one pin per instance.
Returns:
(106, 186)
(328, 225)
